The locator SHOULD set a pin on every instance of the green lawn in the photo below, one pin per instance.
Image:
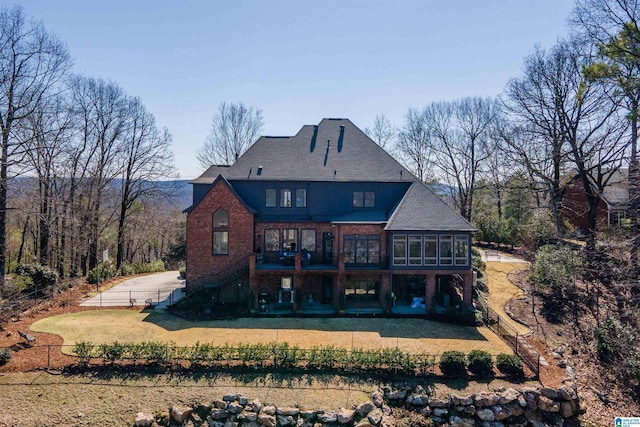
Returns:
(414, 335)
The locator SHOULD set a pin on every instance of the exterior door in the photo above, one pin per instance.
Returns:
(327, 248)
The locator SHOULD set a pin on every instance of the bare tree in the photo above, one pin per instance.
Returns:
(535, 138)
(565, 123)
(383, 132)
(614, 26)
(235, 127)
(47, 131)
(146, 158)
(102, 109)
(32, 61)
(462, 144)
(415, 145)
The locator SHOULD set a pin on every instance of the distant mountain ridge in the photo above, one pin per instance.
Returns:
(179, 191)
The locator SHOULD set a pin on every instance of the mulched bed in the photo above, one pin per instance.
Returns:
(26, 357)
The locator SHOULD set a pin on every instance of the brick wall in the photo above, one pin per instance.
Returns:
(202, 265)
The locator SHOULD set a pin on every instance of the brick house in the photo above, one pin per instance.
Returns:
(613, 205)
(326, 221)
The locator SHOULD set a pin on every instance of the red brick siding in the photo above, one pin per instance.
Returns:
(575, 208)
(202, 265)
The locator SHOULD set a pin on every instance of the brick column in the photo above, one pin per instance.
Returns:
(385, 291)
(429, 291)
(467, 295)
(253, 279)
(297, 282)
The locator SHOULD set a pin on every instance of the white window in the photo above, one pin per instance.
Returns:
(285, 198)
(431, 249)
(415, 249)
(462, 249)
(399, 250)
(446, 250)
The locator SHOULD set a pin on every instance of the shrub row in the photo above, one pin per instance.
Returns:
(456, 364)
(108, 270)
(278, 355)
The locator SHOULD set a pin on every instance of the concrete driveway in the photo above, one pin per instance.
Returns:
(158, 289)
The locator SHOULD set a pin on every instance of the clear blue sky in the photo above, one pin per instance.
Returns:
(298, 60)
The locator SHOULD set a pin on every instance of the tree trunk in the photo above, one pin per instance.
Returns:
(634, 193)
(4, 159)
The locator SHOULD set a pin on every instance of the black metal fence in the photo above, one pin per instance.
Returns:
(511, 336)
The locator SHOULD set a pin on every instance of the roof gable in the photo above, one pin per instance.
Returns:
(224, 181)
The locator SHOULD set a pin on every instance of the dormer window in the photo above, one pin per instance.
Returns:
(364, 199)
(285, 198)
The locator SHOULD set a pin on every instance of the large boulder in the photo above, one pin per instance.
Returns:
(485, 414)
(269, 410)
(328, 417)
(253, 406)
(375, 416)
(568, 408)
(438, 403)
(180, 413)
(508, 396)
(364, 408)
(461, 400)
(399, 394)
(235, 408)
(143, 419)
(486, 399)
(378, 398)
(500, 412)
(549, 392)
(345, 416)
(247, 417)
(418, 399)
(545, 404)
(267, 420)
(567, 393)
(286, 420)
(219, 414)
(288, 411)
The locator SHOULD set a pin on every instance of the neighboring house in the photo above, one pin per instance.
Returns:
(613, 206)
(326, 221)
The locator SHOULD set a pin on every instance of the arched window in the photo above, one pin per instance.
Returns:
(220, 232)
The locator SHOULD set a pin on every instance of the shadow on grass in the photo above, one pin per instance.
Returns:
(385, 327)
(157, 376)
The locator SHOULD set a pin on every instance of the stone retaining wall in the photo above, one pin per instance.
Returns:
(530, 406)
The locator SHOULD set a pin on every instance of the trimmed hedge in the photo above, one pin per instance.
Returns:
(453, 364)
(277, 355)
(480, 363)
(510, 365)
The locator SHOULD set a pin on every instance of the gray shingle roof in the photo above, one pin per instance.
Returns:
(422, 209)
(334, 150)
(211, 174)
